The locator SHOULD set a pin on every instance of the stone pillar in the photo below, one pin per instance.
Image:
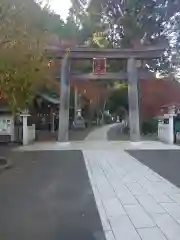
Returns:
(53, 121)
(133, 100)
(12, 129)
(24, 116)
(172, 136)
(63, 133)
(171, 128)
(75, 102)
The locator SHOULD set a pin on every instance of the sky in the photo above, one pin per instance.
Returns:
(61, 7)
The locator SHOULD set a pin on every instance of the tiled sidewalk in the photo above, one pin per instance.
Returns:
(134, 202)
(100, 134)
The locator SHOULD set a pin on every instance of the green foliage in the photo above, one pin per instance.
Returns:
(118, 100)
(25, 28)
(22, 44)
(137, 19)
(107, 119)
(149, 126)
(132, 23)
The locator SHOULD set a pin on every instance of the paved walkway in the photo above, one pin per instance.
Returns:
(134, 202)
(100, 134)
(115, 134)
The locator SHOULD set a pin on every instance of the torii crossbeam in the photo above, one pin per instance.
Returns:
(131, 75)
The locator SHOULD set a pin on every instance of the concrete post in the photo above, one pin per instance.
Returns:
(75, 102)
(133, 100)
(172, 114)
(12, 130)
(171, 128)
(24, 116)
(53, 125)
(63, 133)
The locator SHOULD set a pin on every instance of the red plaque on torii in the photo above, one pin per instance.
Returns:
(99, 66)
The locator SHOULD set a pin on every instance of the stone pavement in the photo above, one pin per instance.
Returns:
(100, 133)
(115, 134)
(133, 201)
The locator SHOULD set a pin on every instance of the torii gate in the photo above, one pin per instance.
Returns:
(132, 75)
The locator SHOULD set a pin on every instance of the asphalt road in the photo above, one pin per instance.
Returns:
(164, 162)
(47, 195)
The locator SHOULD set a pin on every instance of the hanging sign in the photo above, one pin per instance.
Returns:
(99, 66)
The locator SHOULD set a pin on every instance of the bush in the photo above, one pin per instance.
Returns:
(149, 126)
(107, 119)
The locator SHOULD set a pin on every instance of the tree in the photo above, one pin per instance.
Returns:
(174, 32)
(23, 38)
(118, 100)
(133, 23)
(134, 20)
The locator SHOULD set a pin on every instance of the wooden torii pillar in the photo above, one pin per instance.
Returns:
(63, 133)
(132, 75)
(133, 98)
